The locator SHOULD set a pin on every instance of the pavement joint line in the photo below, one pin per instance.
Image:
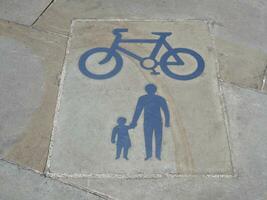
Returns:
(22, 167)
(57, 109)
(99, 194)
(50, 32)
(129, 19)
(15, 23)
(51, 2)
(242, 87)
(139, 176)
(221, 95)
(147, 20)
(93, 192)
(227, 124)
(34, 28)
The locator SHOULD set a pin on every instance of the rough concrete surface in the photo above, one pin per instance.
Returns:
(31, 63)
(247, 116)
(22, 11)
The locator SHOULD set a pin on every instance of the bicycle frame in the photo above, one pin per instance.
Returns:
(159, 43)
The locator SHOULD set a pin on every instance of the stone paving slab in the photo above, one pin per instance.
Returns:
(20, 184)
(241, 25)
(189, 188)
(247, 116)
(232, 17)
(241, 65)
(196, 142)
(31, 63)
(22, 11)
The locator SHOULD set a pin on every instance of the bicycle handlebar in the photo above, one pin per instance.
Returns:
(119, 30)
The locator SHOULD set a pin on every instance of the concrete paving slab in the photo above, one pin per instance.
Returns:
(31, 62)
(17, 183)
(22, 11)
(241, 65)
(232, 17)
(91, 100)
(247, 116)
(187, 188)
(240, 24)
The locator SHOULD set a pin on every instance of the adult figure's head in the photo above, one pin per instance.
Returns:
(151, 88)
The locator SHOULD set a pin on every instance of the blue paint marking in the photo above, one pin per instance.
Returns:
(152, 105)
(120, 136)
(164, 63)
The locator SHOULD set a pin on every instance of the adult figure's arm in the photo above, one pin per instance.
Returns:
(166, 112)
(138, 110)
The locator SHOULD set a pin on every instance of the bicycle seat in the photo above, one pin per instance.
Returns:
(162, 33)
(117, 31)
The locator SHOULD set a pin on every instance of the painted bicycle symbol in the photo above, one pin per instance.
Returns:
(166, 62)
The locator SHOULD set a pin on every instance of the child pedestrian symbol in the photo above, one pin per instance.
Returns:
(123, 140)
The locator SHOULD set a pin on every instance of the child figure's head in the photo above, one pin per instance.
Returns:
(121, 121)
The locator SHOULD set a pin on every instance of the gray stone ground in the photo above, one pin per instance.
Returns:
(32, 50)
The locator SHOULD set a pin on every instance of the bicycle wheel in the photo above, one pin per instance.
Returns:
(88, 70)
(165, 65)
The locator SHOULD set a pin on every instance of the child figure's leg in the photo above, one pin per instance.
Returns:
(125, 152)
(119, 148)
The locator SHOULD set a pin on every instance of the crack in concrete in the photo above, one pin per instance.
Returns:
(52, 1)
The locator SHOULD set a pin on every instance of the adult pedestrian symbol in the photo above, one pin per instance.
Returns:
(152, 105)
(168, 61)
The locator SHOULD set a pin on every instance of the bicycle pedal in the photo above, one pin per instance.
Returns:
(155, 73)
